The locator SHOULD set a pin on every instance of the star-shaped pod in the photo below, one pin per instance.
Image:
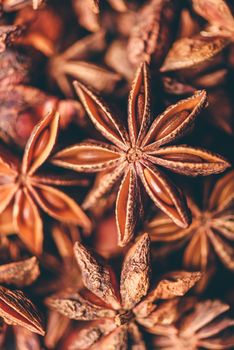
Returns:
(212, 228)
(24, 190)
(139, 154)
(114, 312)
(195, 325)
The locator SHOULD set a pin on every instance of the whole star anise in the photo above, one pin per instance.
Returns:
(25, 190)
(212, 228)
(140, 154)
(73, 64)
(195, 325)
(117, 312)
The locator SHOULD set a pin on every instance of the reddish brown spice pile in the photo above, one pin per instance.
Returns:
(116, 176)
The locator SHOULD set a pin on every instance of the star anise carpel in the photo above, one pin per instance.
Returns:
(15, 307)
(128, 306)
(212, 229)
(139, 154)
(26, 189)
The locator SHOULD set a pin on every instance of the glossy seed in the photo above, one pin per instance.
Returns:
(157, 188)
(182, 157)
(41, 143)
(171, 123)
(54, 201)
(28, 214)
(89, 156)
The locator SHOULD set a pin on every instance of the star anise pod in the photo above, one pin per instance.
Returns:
(155, 27)
(15, 307)
(72, 64)
(212, 228)
(199, 62)
(29, 190)
(20, 273)
(190, 52)
(117, 312)
(138, 156)
(218, 15)
(195, 326)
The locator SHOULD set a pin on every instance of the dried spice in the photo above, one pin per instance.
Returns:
(139, 154)
(197, 325)
(129, 305)
(15, 307)
(20, 184)
(72, 64)
(212, 228)
(20, 273)
(153, 32)
(95, 281)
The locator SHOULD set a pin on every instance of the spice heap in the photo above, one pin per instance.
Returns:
(116, 180)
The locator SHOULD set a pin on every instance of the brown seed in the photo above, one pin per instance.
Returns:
(41, 143)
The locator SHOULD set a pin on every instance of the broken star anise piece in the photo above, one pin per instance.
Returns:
(196, 325)
(26, 189)
(212, 228)
(127, 307)
(139, 155)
